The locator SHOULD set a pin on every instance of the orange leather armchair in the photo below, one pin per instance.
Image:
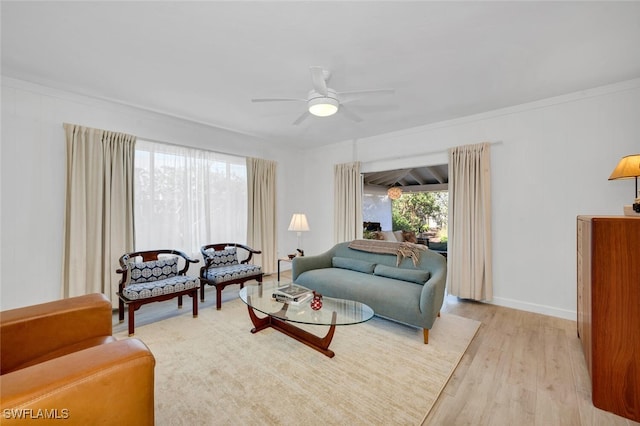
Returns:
(59, 362)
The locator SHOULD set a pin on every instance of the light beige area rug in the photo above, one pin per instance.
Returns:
(211, 370)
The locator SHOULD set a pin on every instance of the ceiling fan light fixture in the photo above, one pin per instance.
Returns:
(323, 101)
(323, 107)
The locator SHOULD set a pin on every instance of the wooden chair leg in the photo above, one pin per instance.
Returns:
(194, 296)
(120, 311)
(180, 302)
(219, 297)
(425, 334)
(132, 310)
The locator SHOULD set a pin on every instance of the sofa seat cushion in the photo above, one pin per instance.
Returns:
(386, 296)
(418, 276)
(232, 272)
(156, 288)
(353, 264)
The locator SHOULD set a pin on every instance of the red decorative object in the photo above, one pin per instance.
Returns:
(316, 302)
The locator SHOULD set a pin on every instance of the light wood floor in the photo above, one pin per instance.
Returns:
(520, 369)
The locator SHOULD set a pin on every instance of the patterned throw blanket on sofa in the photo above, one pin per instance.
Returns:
(401, 250)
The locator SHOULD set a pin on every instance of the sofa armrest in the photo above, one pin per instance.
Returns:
(432, 296)
(33, 331)
(306, 263)
(112, 383)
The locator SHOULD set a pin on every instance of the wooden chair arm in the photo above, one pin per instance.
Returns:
(150, 255)
(250, 251)
(221, 246)
(187, 263)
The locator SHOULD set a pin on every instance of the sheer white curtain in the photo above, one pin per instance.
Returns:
(469, 248)
(347, 210)
(98, 226)
(261, 221)
(186, 198)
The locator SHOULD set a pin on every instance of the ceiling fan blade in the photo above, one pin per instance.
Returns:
(350, 114)
(277, 100)
(319, 83)
(301, 118)
(352, 95)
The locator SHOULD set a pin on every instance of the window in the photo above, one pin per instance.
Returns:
(186, 198)
(376, 207)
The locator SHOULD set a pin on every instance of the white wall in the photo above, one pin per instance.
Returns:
(550, 162)
(33, 176)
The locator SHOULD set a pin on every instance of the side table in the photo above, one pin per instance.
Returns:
(282, 259)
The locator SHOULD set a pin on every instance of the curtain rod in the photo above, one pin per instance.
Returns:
(165, 142)
(440, 151)
(188, 146)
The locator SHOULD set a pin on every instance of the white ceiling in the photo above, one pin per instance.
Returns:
(205, 60)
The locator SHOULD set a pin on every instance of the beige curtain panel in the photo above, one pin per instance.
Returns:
(98, 225)
(261, 212)
(347, 213)
(469, 248)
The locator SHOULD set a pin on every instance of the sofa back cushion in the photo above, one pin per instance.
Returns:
(428, 261)
(388, 236)
(353, 264)
(418, 276)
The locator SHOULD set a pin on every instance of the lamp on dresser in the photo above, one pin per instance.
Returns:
(629, 167)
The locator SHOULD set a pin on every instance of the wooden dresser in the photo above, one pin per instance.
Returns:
(609, 310)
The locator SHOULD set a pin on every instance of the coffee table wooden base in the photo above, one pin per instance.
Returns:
(321, 344)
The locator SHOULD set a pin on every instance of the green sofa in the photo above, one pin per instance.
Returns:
(405, 293)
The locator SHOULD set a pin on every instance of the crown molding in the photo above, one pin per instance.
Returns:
(623, 86)
(71, 94)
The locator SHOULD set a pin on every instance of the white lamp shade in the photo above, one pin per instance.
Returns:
(299, 222)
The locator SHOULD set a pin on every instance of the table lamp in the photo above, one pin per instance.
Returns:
(299, 224)
(629, 167)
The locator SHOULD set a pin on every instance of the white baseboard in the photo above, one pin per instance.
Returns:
(532, 307)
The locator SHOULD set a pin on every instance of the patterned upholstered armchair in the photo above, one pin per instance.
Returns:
(221, 268)
(153, 276)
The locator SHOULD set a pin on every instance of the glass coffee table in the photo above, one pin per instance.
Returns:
(282, 316)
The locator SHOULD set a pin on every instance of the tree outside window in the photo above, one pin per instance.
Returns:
(421, 212)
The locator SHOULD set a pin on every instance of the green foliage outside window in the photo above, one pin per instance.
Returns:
(417, 211)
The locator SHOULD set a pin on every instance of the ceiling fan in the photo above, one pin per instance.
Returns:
(322, 101)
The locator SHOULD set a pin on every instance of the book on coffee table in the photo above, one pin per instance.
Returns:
(292, 293)
(297, 301)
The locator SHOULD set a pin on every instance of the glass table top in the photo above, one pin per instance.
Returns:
(259, 297)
